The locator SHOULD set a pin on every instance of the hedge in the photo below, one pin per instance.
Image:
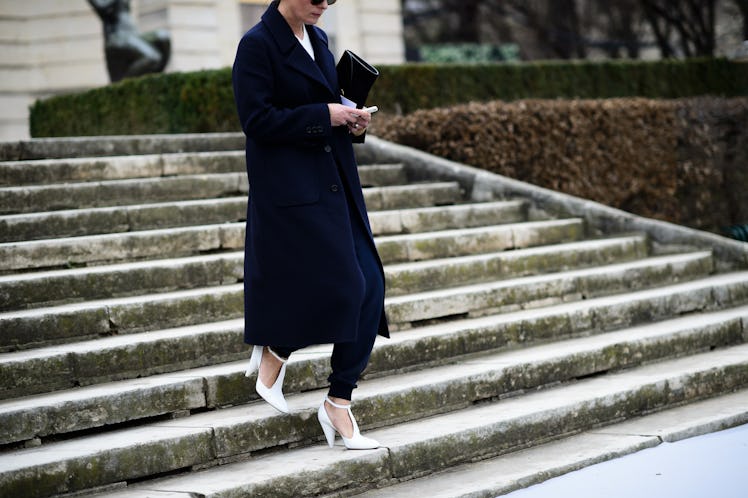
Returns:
(681, 160)
(203, 101)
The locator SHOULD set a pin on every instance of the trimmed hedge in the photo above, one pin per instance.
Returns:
(683, 161)
(203, 101)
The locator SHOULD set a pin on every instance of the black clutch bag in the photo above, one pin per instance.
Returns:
(355, 77)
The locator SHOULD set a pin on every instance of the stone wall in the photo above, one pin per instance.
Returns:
(49, 47)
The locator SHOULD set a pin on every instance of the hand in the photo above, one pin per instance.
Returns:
(355, 119)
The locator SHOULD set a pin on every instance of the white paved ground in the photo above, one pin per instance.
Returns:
(710, 466)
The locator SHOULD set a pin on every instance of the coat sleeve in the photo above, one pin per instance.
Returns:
(262, 119)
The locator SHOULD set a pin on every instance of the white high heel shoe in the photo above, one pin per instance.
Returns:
(355, 442)
(274, 393)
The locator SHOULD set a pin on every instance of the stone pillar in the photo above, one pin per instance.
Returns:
(372, 29)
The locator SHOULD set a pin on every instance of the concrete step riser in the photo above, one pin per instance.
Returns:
(134, 315)
(199, 446)
(404, 279)
(120, 192)
(60, 287)
(33, 199)
(119, 168)
(382, 175)
(81, 222)
(61, 371)
(98, 283)
(109, 220)
(91, 320)
(120, 145)
(412, 196)
(187, 241)
(447, 217)
(394, 249)
(59, 418)
(98, 249)
(542, 291)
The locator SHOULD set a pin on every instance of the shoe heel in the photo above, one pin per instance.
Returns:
(254, 361)
(326, 424)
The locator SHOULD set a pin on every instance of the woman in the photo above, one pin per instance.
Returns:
(311, 271)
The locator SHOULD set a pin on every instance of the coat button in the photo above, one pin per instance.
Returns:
(328, 148)
(334, 188)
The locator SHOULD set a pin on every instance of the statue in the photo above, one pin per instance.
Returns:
(129, 53)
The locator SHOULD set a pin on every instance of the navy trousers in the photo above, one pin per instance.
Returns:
(349, 359)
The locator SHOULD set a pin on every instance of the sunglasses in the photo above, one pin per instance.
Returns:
(317, 2)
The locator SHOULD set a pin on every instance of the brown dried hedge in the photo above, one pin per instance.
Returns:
(684, 161)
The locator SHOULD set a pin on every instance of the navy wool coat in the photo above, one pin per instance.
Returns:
(302, 281)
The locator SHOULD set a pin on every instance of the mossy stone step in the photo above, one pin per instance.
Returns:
(541, 290)
(226, 385)
(90, 169)
(418, 220)
(119, 219)
(179, 308)
(412, 448)
(59, 196)
(404, 278)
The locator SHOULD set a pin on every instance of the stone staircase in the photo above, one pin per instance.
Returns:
(527, 342)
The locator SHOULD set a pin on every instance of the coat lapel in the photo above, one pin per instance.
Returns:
(296, 57)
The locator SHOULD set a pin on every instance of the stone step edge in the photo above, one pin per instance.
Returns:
(423, 446)
(138, 217)
(126, 315)
(566, 319)
(99, 249)
(600, 353)
(531, 290)
(93, 169)
(502, 475)
(28, 290)
(119, 145)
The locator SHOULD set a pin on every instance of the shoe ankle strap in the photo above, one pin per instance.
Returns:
(337, 405)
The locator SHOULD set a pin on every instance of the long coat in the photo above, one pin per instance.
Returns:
(302, 281)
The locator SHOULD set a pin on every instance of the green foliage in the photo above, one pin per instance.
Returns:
(411, 87)
(194, 102)
(203, 101)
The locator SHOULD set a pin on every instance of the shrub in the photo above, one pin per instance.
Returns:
(681, 160)
(203, 101)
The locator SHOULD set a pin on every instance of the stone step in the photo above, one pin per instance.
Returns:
(26, 290)
(118, 219)
(379, 175)
(91, 169)
(464, 241)
(42, 416)
(412, 196)
(130, 356)
(418, 220)
(31, 199)
(119, 145)
(466, 434)
(49, 288)
(433, 274)
(29, 328)
(507, 473)
(551, 288)
(183, 241)
(128, 246)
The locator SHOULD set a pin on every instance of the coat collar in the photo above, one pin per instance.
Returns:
(295, 55)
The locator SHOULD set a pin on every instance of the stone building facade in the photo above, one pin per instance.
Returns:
(56, 46)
